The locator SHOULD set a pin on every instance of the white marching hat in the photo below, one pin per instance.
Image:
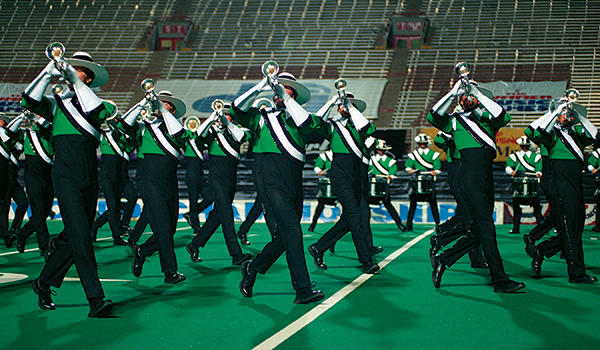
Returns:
(382, 145)
(84, 59)
(423, 138)
(523, 141)
(576, 107)
(288, 79)
(359, 104)
(167, 96)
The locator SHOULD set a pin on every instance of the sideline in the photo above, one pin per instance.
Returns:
(281, 336)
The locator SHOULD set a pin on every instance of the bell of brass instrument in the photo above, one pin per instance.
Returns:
(192, 123)
(572, 95)
(341, 84)
(263, 102)
(463, 69)
(148, 86)
(56, 52)
(57, 89)
(270, 68)
(218, 106)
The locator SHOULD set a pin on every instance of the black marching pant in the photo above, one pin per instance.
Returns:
(278, 183)
(114, 167)
(161, 200)
(251, 218)
(222, 177)
(429, 198)
(196, 184)
(14, 192)
(40, 190)
(537, 210)
(477, 180)
(76, 180)
(348, 183)
(566, 200)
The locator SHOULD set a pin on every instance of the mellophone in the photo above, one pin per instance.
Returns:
(421, 184)
(525, 187)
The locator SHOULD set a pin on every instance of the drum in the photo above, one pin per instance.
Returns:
(421, 184)
(377, 187)
(324, 189)
(597, 186)
(525, 187)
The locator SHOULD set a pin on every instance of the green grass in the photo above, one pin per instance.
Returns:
(396, 308)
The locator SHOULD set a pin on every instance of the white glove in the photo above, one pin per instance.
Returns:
(130, 117)
(244, 102)
(358, 119)
(324, 112)
(204, 128)
(280, 92)
(457, 89)
(36, 89)
(71, 74)
(492, 107)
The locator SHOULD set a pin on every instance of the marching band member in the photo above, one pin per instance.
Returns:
(10, 149)
(593, 167)
(115, 147)
(474, 131)
(348, 176)
(517, 165)
(76, 115)
(322, 167)
(279, 155)
(162, 137)
(224, 139)
(423, 161)
(460, 223)
(39, 159)
(383, 165)
(565, 131)
(195, 181)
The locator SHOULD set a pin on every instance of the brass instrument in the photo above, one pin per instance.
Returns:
(57, 89)
(148, 86)
(146, 115)
(56, 52)
(270, 70)
(192, 123)
(263, 102)
(463, 69)
(218, 106)
(341, 84)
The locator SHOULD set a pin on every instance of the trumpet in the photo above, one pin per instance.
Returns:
(56, 52)
(148, 86)
(572, 95)
(218, 106)
(262, 103)
(341, 84)
(270, 70)
(463, 69)
(192, 123)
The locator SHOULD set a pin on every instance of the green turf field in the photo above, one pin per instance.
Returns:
(398, 308)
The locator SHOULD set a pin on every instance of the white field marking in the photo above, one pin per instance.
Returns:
(71, 279)
(279, 337)
(99, 239)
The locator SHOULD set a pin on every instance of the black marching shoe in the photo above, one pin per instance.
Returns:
(118, 241)
(243, 237)
(513, 231)
(317, 257)
(193, 253)
(402, 227)
(376, 250)
(240, 258)
(138, 262)
(44, 295)
(311, 228)
(126, 230)
(174, 277)
(438, 270)
(508, 286)
(479, 264)
(583, 279)
(596, 228)
(528, 244)
(248, 279)
(187, 218)
(309, 297)
(100, 308)
(332, 248)
(536, 263)
(370, 267)
(21, 243)
(9, 240)
(435, 248)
